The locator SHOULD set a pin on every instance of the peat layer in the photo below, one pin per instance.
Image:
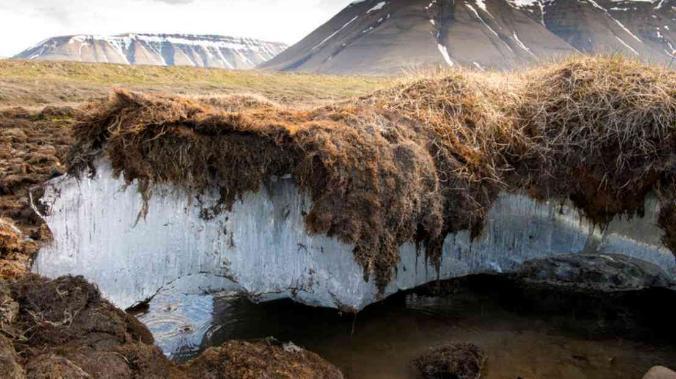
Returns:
(418, 161)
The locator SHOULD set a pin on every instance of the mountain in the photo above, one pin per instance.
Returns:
(157, 49)
(373, 36)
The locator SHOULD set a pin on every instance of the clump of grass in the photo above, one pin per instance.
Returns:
(14, 250)
(416, 162)
(10, 238)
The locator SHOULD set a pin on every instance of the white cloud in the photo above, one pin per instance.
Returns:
(24, 23)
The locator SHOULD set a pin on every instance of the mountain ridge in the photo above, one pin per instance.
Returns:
(156, 49)
(381, 37)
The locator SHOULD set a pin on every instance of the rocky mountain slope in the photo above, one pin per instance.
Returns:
(157, 49)
(373, 36)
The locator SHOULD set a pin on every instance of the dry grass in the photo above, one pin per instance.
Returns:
(14, 250)
(418, 161)
(35, 84)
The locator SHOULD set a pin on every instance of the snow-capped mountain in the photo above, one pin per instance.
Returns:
(157, 49)
(375, 36)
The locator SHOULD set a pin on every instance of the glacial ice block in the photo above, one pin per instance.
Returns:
(261, 246)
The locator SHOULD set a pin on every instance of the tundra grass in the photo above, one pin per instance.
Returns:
(37, 83)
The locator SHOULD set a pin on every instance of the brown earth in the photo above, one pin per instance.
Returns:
(265, 359)
(459, 361)
(33, 146)
(419, 161)
(63, 328)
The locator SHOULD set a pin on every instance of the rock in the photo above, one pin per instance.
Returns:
(461, 361)
(595, 272)
(659, 372)
(265, 359)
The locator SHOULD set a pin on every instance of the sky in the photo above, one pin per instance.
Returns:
(25, 23)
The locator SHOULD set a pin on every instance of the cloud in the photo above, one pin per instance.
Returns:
(27, 22)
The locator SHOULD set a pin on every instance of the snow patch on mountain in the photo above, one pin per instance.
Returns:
(157, 49)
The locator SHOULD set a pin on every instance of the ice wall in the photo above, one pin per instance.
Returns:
(261, 246)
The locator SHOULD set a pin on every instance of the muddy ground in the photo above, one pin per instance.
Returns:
(63, 328)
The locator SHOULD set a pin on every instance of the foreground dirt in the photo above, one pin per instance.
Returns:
(63, 329)
(33, 146)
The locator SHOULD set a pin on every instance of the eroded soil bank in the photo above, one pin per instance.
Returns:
(599, 135)
(64, 329)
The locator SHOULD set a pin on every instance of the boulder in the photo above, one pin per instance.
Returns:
(595, 272)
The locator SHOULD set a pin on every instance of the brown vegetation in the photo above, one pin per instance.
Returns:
(15, 250)
(418, 161)
(457, 361)
(33, 146)
(265, 359)
(63, 328)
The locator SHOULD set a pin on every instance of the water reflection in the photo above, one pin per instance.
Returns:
(525, 333)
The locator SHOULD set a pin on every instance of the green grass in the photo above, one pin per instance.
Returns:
(30, 83)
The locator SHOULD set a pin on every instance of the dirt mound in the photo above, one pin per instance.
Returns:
(458, 361)
(33, 146)
(63, 328)
(419, 161)
(242, 360)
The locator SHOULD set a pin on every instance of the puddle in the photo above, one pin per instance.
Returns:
(584, 338)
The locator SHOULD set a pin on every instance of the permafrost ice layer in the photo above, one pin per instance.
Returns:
(261, 247)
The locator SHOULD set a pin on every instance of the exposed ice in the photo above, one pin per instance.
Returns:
(261, 246)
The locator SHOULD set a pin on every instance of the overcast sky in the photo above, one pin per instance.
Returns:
(24, 23)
